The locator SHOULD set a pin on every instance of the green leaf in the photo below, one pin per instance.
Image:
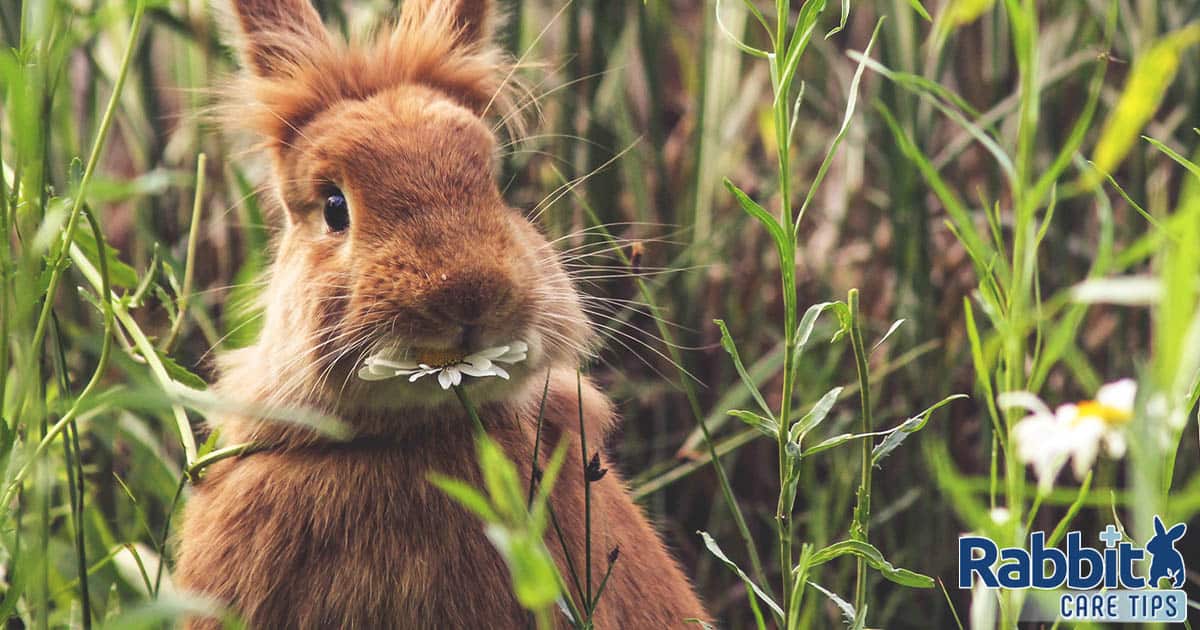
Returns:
(956, 490)
(181, 374)
(165, 300)
(741, 45)
(805, 24)
(920, 9)
(150, 183)
(751, 207)
(851, 104)
(814, 417)
(242, 318)
(766, 425)
(791, 483)
(244, 312)
(120, 275)
(982, 369)
(731, 348)
(963, 12)
(1061, 529)
(805, 329)
(134, 299)
(760, 371)
(860, 621)
(842, 21)
(844, 322)
(534, 576)
(938, 95)
(894, 327)
(908, 427)
(501, 480)
(868, 552)
(715, 550)
(979, 249)
(1129, 200)
(807, 323)
(1192, 398)
(1147, 83)
(167, 608)
(832, 442)
(210, 444)
(466, 495)
(846, 607)
(1191, 166)
(7, 439)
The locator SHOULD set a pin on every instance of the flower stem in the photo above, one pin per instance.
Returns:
(470, 407)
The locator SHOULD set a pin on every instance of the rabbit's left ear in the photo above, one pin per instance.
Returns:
(1175, 533)
(473, 20)
(1158, 526)
(277, 34)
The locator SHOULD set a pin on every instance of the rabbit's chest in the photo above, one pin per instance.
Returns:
(348, 541)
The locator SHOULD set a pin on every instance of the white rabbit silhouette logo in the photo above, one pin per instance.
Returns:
(1166, 561)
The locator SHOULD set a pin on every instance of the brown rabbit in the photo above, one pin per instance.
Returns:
(396, 239)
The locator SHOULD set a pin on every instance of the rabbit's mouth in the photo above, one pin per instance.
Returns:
(449, 367)
(405, 376)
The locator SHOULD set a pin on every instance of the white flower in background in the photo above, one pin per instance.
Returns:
(1045, 440)
(449, 368)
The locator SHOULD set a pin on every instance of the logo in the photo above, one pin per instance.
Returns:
(1119, 582)
(1166, 561)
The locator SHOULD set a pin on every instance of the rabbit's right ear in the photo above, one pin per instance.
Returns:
(1158, 527)
(1175, 533)
(275, 34)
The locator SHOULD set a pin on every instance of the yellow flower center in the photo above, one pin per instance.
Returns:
(1107, 413)
(438, 358)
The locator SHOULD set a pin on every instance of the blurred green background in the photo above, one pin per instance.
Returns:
(641, 109)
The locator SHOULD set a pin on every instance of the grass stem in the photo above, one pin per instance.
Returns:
(862, 512)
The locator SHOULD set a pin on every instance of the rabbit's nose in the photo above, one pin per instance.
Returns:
(472, 297)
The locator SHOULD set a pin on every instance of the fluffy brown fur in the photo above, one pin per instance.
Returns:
(321, 533)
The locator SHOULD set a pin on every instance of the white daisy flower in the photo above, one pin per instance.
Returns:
(449, 368)
(1046, 440)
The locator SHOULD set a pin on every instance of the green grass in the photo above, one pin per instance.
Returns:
(1013, 180)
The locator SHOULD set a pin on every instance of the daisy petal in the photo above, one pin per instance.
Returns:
(1024, 400)
(479, 363)
(471, 370)
(370, 374)
(394, 362)
(489, 353)
(377, 361)
(1114, 443)
(1118, 394)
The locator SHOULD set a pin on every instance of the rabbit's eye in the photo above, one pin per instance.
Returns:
(337, 213)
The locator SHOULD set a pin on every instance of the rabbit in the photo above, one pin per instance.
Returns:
(395, 234)
(1165, 561)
